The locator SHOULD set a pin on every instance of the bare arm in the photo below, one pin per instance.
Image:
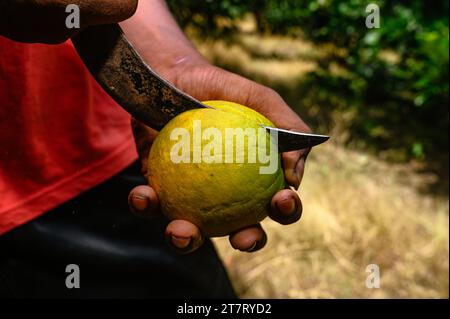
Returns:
(158, 38)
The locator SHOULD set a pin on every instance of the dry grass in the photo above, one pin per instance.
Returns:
(358, 209)
(268, 59)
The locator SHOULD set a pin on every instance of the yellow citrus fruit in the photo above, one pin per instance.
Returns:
(202, 174)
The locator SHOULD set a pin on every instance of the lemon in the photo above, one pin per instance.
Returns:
(205, 172)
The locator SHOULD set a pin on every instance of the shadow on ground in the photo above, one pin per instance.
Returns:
(295, 70)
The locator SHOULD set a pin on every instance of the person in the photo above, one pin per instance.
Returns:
(69, 156)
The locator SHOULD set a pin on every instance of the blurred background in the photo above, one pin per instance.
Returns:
(377, 193)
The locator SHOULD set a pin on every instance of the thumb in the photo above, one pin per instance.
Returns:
(143, 137)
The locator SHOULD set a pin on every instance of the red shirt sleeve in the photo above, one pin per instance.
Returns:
(60, 133)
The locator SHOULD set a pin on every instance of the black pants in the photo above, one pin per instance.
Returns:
(118, 255)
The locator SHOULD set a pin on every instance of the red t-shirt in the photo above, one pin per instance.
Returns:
(60, 133)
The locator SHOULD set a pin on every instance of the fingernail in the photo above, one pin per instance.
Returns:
(181, 242)
(258, 244)
(140, 202)
(252, 248)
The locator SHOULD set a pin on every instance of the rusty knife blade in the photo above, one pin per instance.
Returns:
(123, 74)
(142, 92)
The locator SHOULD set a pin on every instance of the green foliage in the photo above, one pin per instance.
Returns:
(393, 79)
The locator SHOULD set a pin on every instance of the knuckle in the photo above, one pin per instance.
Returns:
(127, 8)
(267, 92)
(108, 11)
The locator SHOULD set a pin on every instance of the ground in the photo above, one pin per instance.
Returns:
(358, 208)
(358, 211)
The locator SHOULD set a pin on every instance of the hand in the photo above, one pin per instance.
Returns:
(206, 82)
(44, 21)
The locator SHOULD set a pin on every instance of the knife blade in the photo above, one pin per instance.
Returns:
(291, 140)
(142, 92)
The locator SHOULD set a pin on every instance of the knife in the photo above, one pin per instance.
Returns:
(124, 75)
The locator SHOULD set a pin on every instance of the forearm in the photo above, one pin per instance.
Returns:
(159, 40)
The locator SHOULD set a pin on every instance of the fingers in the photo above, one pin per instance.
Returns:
(143, 137)
(286, 207)
(269, 103)
(294, 167)
(250, 239)
(215, 83)
(143, 202)
(183, 236)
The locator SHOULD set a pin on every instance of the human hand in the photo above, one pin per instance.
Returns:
(44, 21)
(206, 82)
